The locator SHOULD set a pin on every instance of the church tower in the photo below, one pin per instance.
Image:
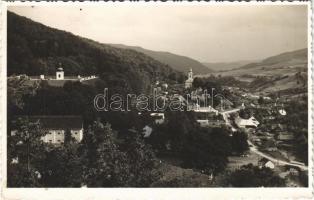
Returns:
(189, 81)
(60, 73)
(190, 74)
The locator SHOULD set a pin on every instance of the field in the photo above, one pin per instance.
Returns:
(236, 162)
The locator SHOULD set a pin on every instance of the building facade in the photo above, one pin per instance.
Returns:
(55, 127)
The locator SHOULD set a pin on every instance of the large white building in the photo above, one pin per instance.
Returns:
(55, 127)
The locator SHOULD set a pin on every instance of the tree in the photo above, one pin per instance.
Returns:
(260, 100)
(104, 164)
(198, 82)
(245, 113)
(18, 88)
(207, 149)
(239, 142)
(253, 176)
(25, 153)
(143, 165)
(179, 125)
(62, 166)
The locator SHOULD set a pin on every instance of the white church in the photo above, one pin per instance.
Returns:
(189, 81)
(59, 79)
(60, 76)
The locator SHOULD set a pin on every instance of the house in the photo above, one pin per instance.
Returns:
(209, 119)
(203, 122)
(282, 112)
(246, 123)
(165, 86)
(147, 131)
(158, 117)
(208, 109)
(266, 163)
(267, 98)
(55, 127)
(189, 81)
(294, 171)
(277, 127)
(210, 123)
(285, 137)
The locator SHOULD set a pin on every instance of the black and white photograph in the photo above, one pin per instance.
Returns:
(158, 96)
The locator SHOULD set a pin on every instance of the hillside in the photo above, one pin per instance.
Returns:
(177, 62)
(296, 83)
(225, 66)
(35, 49)
(283, 72)
(287, 63)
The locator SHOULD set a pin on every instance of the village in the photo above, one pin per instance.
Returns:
(180, 96)
(270, 142)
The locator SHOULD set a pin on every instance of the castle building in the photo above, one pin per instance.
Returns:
(189, 81)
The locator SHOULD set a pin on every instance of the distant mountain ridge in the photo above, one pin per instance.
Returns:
(292, 58)
(177, 62)
(283, 72)
(224, 66)
(287, 63)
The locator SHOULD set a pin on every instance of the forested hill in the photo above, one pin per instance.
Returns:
(177, 62)
(35, 49)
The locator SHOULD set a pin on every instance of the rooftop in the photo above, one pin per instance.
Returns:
(58, 121)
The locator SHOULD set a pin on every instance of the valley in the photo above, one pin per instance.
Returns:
(256, 122)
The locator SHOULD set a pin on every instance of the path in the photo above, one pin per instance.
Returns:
(255, 150)
(275, 160)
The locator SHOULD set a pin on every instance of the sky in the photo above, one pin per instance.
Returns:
(208, 33)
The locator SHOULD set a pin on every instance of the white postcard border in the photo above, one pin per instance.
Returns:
(150, 193)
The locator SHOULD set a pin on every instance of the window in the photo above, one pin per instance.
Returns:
(59, 133)
(59, 75)
(75, 133)
(59, 141)
(50, 141)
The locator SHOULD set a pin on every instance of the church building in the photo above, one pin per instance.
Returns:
(59, 79)
(189, 81)
(60, 74)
